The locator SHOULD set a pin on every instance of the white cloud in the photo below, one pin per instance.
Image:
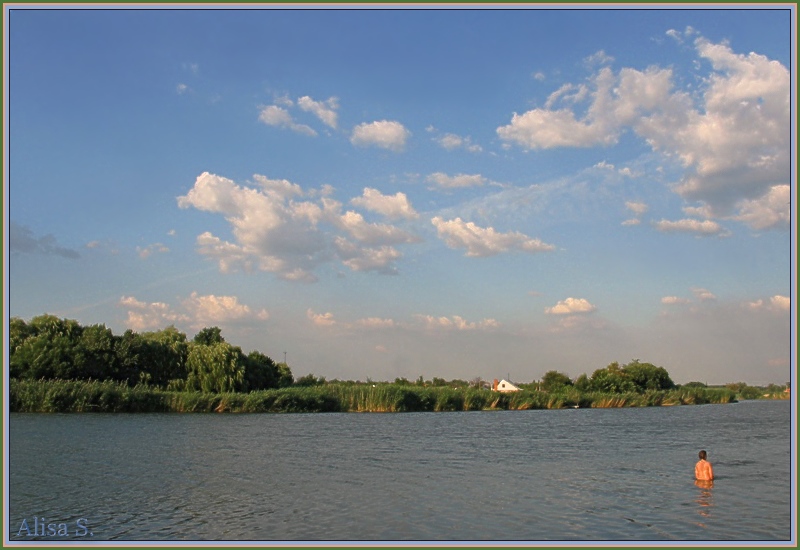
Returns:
(675, 35)
(755, 305)
(321, 319)
(386, 134)
(373, 233)
(459, 180)
(375, 322)
(598, 58)
(738, 146)
(672, 300)
(272, 115)
(275, 230)
(703, 295)
(769, 211)
(776, 303)
(638, 208)
(539, 75)
(454, 141)
(358, 258)
(147, 251)
(732, 139)
(783, 303)
(392, 206)
(577, 323)
(181, 89)
(196, 311)
(455, 322)
(482, 242)
(700, 228)
(571, 306)
(210, 310)
(272, 234)
(149, 316)
(324, 110)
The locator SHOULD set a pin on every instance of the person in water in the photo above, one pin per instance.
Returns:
(703, 470)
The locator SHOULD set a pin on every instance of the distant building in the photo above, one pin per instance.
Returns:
(504, 386)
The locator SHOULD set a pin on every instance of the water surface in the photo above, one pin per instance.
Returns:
(561, 475)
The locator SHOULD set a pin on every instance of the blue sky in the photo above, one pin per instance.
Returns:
(391, 193)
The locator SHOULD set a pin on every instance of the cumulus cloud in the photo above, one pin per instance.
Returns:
(444, 181)
(149, 316)
(373, 233)
(455, 322)
(776, 303)
(482, 242)
(321, 319)
(703, 295)
(705, 228)
(783, 303)
(385, 134)
(209, 310)
(146, 251)
(392, 206)
(276, 230)
(272, 115)
(769, 211)
(196, 311)
(671, 300)
(571, 306)
(323, 110)
(452, 142)
(375, 322)
(359, 258)
(598, 58)
(21, 240)
(731, 139)
(638, 208)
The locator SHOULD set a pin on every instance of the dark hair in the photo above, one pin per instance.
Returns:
(702, 455)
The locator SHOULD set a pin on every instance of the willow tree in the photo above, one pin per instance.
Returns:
(215, 368)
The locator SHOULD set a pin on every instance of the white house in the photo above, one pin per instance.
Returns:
(504, 386)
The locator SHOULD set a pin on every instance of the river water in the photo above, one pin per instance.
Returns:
(550, 475)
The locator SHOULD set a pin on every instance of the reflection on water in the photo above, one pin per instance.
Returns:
(705, 499)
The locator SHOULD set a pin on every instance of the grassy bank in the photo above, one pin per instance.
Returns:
(107, 396)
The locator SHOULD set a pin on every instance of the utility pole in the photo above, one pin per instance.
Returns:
(284, 358)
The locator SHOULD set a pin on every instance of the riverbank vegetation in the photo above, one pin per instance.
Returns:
(57, 365)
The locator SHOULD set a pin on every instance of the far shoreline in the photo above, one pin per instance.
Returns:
(77, 396)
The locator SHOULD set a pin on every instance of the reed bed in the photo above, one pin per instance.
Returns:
(109, 396)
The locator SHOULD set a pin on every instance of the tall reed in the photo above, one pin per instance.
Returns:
(109, 396)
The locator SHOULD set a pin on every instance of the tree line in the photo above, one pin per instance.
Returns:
(51, 348)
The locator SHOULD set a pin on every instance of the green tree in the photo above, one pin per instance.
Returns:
(94, 356)
(131, 350)
(554, 380)
(611, 379)
(285, 378)
(164, 355)
(209, 336)
(310, 380)
(43, 348)
(582, 383)
(647, 377)
(215, 368)
(261, 372)
(694, 385)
